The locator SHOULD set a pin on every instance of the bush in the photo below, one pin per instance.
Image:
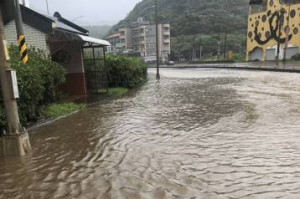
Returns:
(125, 72)
(239, 58)
(37, 81)
(296, 57)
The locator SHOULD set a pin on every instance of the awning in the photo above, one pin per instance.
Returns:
(94, 41)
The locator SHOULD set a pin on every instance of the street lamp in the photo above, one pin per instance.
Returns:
(47, 8)
(147, 8)
(77, 18)
(157, 43)
(157, 38)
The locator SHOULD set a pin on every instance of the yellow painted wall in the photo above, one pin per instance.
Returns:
(261, 20)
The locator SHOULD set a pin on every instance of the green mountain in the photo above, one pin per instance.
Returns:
(98, 31)
(194, 19)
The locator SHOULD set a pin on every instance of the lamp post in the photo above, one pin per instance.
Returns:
(157, 42)
(77, 18)
(48, 12)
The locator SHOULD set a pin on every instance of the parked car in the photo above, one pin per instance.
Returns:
(170, 63)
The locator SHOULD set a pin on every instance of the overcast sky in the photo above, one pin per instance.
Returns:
(88, 12)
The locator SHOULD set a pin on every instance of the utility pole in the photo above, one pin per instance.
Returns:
(200, 50)
(157, 42)
(20, 33)
(15, 141)
(225, 44)
(287, 33)
(280, 24)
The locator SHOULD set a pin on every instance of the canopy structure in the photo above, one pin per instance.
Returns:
(82, 55)
(95, 63)
(94, 42)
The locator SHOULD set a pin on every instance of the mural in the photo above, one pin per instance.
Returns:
(270, 22)
(274, 31)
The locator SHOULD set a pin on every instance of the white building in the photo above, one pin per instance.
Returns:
(141, 38)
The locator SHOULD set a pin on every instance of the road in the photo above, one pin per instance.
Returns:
(198, 133)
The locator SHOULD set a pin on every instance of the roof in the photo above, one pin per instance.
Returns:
(64, 24)
(46, 24)
(93, 40)
(38, 21)
(114, 35)
(65, 27)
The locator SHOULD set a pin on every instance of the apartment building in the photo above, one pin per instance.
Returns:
(142, 39)
(121, 42)
(273, 26)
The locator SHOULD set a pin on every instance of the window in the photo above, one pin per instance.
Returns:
(259, 6)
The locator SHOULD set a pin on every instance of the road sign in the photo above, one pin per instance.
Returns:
(7, 10)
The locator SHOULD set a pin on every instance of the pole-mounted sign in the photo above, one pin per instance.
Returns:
(20, 33)
(10, 9)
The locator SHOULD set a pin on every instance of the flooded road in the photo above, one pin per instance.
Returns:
(198, 134)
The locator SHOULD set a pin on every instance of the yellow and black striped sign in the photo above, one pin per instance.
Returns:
(23, 49)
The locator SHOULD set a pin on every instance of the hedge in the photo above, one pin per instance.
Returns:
(125, 72)
(38, 83)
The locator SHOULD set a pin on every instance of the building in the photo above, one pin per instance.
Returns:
(121, 42)
(141, 39)
(266, 20)
(63, 40)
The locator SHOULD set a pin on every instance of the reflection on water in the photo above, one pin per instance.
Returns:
(195, 134)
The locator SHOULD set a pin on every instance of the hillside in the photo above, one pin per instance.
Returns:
(195, 16)
(205, 19)
(98, 31)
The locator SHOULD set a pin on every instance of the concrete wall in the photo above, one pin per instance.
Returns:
(34, 37)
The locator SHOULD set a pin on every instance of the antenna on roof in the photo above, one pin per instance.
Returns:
(47, 8)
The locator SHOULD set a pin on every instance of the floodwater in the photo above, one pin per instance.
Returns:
(197, 134)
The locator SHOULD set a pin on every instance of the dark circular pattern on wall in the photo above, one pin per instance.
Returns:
(293, 13)
(268, 34)
(264, 18)
(250, 34)
(271, 3)
(295, 31)
(287, 29)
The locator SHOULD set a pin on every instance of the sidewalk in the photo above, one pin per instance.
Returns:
(290, 66)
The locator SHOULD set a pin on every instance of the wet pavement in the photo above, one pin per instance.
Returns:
(197, 134)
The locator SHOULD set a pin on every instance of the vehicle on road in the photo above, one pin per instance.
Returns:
(170, 63)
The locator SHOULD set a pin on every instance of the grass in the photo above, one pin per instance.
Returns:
(57, 110)
(117, 91)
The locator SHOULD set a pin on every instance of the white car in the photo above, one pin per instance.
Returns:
(170, 63)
